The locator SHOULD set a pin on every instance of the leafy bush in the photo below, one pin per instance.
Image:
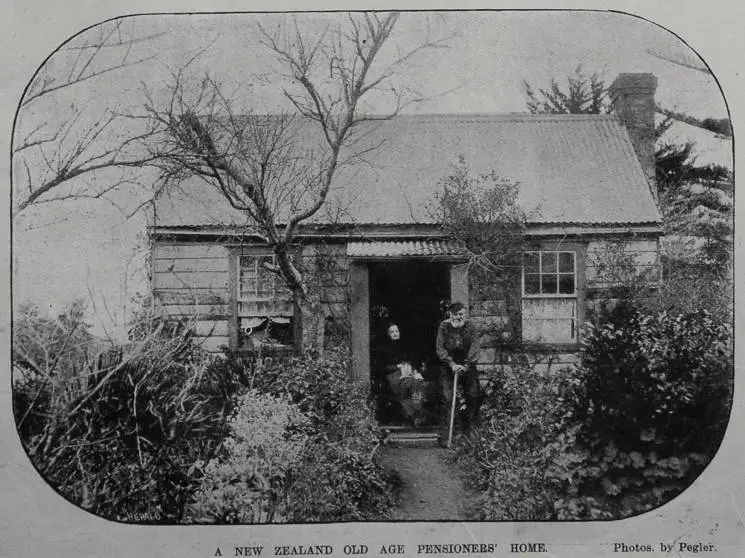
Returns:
(339, 480)
(521, 417)
(688, 287)
(625, 432)
(647, 416)
(333, 478)
(116, 428)
(336, 484)
(248, 482)
(661, 379)
(322, 389)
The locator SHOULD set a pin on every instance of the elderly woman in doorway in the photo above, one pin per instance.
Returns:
(404, 381)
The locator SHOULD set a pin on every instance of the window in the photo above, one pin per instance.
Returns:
(265, 312)
(256, 283)
(549, 274)
(549, 308)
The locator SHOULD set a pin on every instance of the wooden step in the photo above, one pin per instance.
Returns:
(412, 438)
(385, 428)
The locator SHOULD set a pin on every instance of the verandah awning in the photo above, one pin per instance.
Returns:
(404, 248)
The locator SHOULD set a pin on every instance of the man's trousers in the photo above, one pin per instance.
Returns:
(469, 380)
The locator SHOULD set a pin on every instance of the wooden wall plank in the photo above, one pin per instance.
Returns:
(484, 308)
(215, 280)
(196, 250)
(186, 310)
(212, 328)
(180, 265)
(190, 297)
(212, 344)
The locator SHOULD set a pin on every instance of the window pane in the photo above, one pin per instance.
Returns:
(263, 271)
(548, 262)
(248, 285)
(566, 262)
(247, 282)
(531, 262)
(566, 283)
(548, 284)
(549, 320)
(279, 287)
(265, 278)
(265, 291)
(532, 283)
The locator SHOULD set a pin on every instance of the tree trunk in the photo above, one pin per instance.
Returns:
(310, 330)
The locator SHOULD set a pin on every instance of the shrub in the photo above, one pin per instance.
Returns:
(625, 432)
(689, 287)
(321, 388)
(116, 430)
(248, 482)
(521, 417)
(300, 448)
(648, 415)
(337, 484)
(338, 479)
(660, 379)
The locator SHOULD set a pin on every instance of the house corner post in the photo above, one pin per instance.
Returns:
(459, 283)
(360, 322)
(233, 325)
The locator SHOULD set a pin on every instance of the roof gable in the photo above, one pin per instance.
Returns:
(578, 169)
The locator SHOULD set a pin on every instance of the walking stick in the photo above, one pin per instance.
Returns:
(452, 408)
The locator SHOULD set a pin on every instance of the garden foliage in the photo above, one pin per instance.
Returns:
(335, 477)
(117, 428)
(625, 432)
(651, 408)
(521, 419)
(157, 430)
(247, 482)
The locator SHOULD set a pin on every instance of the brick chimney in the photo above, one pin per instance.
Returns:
(632, 99)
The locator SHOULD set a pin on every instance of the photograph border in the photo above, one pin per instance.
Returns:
(31, 508)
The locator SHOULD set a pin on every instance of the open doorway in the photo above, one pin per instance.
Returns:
(409, 294)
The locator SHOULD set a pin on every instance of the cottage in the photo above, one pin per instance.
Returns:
(375, 253)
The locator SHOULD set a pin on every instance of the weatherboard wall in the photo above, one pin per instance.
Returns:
(197, 281)
(191, 281)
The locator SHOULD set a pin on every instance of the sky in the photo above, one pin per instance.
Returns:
(88, 249)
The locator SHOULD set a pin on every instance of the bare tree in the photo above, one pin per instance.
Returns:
(57, 140)
(279, 168)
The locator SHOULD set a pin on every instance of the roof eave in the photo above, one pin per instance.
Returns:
(402, 231)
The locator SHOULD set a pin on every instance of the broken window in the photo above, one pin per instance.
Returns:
(265, 311)
(549, 308)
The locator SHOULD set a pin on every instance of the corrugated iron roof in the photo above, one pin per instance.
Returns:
(569, 169)
(401, 248)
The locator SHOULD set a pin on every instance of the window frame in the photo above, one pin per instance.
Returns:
(557, 273)
(281, 296)
(277, 290)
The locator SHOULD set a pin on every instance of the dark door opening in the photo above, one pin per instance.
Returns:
(409, 294)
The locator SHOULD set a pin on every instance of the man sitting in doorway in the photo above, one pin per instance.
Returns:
(458, 349)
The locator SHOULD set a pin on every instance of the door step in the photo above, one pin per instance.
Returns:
(411, 437)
